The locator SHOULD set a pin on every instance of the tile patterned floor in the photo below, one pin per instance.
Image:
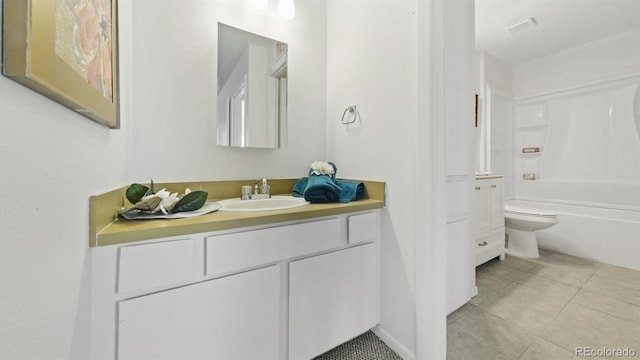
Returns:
(365, 347)
(546, 308)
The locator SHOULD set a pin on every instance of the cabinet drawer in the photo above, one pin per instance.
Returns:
(151, 265)
(363, 228)
(230, 252)
(489, 247)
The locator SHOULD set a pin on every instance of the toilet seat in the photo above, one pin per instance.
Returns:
(518, 210)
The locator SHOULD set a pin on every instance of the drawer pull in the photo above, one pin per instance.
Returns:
(477, 187)
(494, 186)
(484, 243)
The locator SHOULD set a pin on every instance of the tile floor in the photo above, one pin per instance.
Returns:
(546, 308)
(365, 347)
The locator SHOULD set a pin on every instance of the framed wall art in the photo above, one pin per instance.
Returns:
(67, 50)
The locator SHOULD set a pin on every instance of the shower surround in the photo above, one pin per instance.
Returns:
(581, 108)
(587, 170)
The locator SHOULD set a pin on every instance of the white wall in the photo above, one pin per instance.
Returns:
(612, 58)
(406, 65)
(497, 74)
(497, 156)
(364, 68)
(52, 159)
(174, 87)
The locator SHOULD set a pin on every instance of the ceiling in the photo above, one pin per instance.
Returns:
(561, 24)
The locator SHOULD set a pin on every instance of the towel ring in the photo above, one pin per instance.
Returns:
(353, 111)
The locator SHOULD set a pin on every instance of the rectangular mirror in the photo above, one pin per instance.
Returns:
(252, 89)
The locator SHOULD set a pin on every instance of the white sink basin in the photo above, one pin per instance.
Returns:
(278, 202)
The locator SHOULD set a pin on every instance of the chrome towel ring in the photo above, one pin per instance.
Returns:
(353, 111)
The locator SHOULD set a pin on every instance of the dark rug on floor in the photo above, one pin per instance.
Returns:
(365, 347)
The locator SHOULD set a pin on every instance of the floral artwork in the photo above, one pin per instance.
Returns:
(83, 41)
(66, 50)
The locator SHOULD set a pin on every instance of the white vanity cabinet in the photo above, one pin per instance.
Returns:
(283, 291)
(489, 230)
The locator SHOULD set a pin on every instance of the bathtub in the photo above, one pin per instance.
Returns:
(594, 231)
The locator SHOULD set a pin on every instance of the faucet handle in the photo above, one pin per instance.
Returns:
(246, 192)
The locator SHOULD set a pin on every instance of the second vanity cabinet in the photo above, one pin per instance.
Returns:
(331, 298)
(489, 232)
(286, 291)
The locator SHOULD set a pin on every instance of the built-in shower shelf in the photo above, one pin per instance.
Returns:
(530, 133)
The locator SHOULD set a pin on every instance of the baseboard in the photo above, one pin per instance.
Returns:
(391, 342)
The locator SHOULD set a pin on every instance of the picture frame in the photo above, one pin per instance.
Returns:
(66, 50)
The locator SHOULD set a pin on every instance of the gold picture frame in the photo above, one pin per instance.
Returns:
(66, 50)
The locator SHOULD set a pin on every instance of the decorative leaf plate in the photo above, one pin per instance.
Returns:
(140, 215)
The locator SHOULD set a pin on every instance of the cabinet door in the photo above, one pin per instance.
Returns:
(482, 213)
(332, 298)
(497, 207)
(460, 271)
(235, 317)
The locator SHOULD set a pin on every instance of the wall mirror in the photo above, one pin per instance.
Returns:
(252, 89)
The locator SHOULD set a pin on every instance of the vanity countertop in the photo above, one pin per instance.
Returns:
(106, 229)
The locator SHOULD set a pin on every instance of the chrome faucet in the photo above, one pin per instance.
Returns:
(264, 192)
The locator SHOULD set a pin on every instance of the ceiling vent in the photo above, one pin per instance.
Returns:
(522, 25)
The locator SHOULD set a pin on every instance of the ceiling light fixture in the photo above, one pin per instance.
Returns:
(286, 9)
(522, 25)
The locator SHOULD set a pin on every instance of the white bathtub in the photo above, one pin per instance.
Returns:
(593, 231)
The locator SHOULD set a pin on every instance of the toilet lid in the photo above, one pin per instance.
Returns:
(521, 210)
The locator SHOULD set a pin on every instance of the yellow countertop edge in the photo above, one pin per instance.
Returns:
(105, 228)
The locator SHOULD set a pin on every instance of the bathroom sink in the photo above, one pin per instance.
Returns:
(278, 202)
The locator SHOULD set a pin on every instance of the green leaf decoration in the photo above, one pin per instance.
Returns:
(136, 192)
(191, 202)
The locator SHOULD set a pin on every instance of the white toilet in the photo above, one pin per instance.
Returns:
(521, 224)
